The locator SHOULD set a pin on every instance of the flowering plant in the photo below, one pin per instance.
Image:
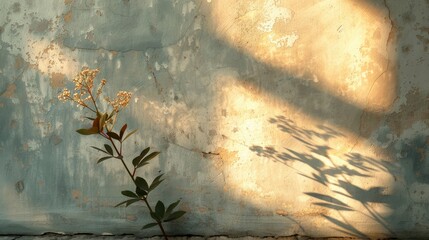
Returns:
(103, 124)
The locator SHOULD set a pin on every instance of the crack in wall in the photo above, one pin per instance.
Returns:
(147, 46)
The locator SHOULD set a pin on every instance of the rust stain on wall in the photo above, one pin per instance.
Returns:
(10, 90)
(19, 62)
(76, 194)
(224, 157)
(58, 80)
(68, 16)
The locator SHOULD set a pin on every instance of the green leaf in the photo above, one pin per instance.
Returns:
(88, 131)
(171, 208)
(108, 149)
(149, 225)
(130, 194)
(129, 134)
(154, 216)
(141, 164)
(127, 202)
(131, 201)
(145, 151)
(122, 131)
(103, 159)
(146, 159)
(141, 183)
(137, 160)
(141, 192)
(160, 210)
(99, 149)
(121, 203)
(156, 182)
(114, 135)
(150, 156)
(174, 216)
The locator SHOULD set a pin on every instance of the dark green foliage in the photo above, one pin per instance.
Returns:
(108, 149)
(103, 159)
(142, 184)
(149, 225)
(127, 202)
(99, 149)
(174, 216)
(156, 182)
(159, 210)
(171, 207)
(129, 193)
(141, 193)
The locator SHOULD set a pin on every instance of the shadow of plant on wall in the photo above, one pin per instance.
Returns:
(342, 176)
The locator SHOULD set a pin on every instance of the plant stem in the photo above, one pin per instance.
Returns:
(159, 222)
(133, 179)
(92, 98)
(134, 171)
(120, 149)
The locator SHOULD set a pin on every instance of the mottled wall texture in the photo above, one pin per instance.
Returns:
(273, 117)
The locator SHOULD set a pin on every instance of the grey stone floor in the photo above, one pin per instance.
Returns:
(55, 236)
(132, 237)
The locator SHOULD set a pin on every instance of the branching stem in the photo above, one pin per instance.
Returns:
(120, 157)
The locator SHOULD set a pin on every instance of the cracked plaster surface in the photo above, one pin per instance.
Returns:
(273, 118)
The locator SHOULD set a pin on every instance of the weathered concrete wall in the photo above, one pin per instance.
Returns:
(273, 117)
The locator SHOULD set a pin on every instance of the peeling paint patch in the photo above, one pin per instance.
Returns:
(272, 14)
(285, 41)
(32, 145)
(383, 137)
(188, 8)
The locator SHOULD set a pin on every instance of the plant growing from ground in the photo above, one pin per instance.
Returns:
(103, 124)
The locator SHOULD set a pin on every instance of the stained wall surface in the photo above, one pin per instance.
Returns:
(273, 118)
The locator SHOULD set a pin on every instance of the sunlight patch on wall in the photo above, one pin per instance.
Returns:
(287, 163)
(52, 59)
(340, 46)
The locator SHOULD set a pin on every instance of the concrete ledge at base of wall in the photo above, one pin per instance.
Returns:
(54, 236)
